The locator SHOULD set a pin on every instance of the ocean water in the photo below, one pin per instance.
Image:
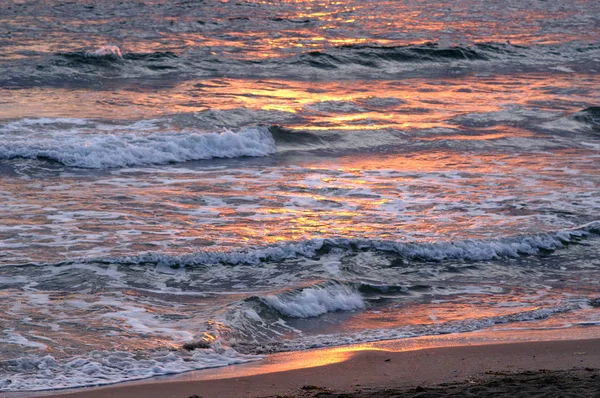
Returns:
(194, 184)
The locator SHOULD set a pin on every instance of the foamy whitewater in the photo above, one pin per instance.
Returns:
(81, 143)
(208, 184)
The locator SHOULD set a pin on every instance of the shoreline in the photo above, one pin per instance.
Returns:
(371, 369)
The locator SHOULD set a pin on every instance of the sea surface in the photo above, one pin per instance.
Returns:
(194, 184)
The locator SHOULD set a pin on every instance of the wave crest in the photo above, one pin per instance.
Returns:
(374, 56)
(467, 250)
(106, 150)
(108, 57)
(315, 301)
(105, 51)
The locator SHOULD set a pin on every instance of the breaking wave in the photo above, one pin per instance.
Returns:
(315, 301)
(263, 325)
(104, 56)
(78, 147)
(466, 250)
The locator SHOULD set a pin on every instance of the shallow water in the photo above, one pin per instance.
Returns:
(258, 177)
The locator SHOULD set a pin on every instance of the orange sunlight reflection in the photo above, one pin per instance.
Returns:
(334, 105)
(281, 362)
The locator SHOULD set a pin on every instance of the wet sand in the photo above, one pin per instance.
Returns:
(548, 368)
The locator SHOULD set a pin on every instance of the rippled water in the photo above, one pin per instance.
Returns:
(251, 177)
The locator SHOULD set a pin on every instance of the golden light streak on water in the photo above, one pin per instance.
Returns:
(337, 105)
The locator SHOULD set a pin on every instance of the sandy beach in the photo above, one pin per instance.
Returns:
(547, 368)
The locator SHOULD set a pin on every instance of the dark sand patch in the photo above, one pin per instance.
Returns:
(542, 383)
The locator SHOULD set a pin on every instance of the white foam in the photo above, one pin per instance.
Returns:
(141, 321)
(41, 121)
(13, 337)
(315, 301)
(561, 68)
(103, 367)
(89, 148)
(106, 51)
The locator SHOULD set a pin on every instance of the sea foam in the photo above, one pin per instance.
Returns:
(76, 146)
(45, 372)
(108, 50)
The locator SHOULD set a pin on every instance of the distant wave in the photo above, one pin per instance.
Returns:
(80, 148)
(364, 55)
(466, 250)
(115, 53)
(106, 51)
(108, 57)
(383, 57)
(373, 56)
(111, 62)
(104, 56)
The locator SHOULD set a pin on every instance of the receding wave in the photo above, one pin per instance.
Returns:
(369, 335)
(108, 367)
(466, 250)
(257, 325)
(97, 149)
